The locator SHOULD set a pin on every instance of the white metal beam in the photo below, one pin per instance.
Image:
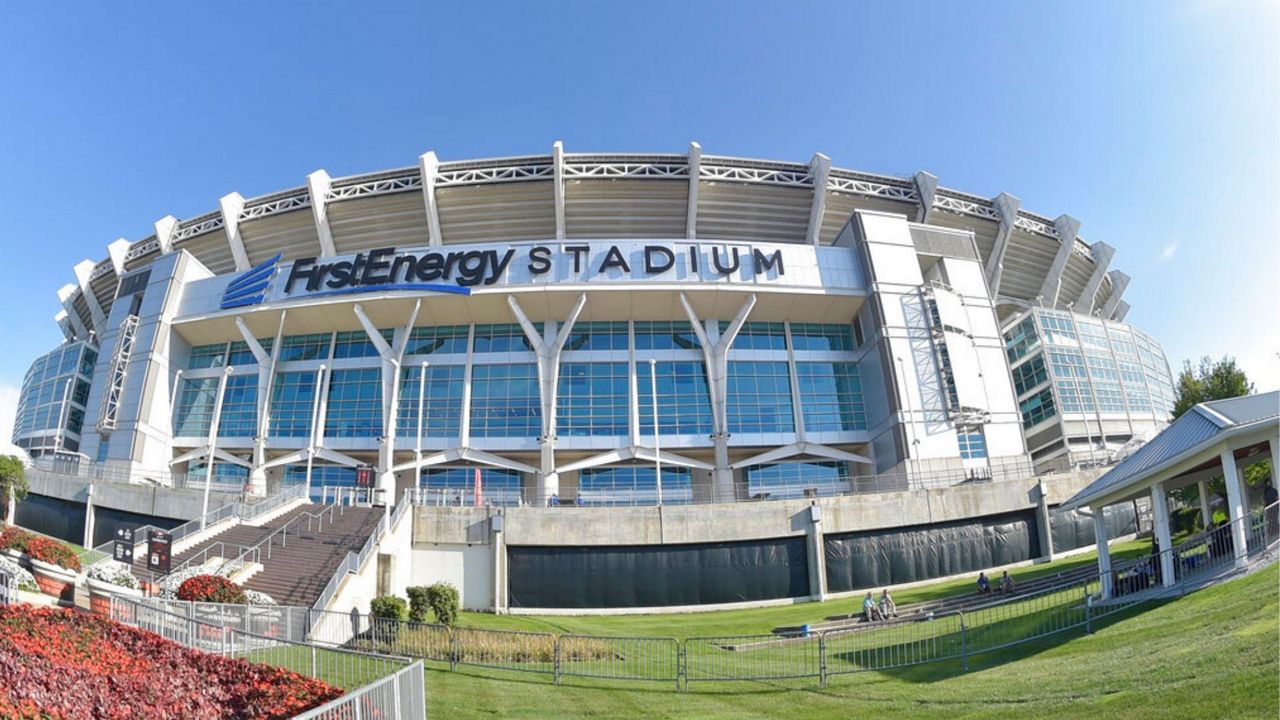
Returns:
(632, 452)
(557, 160)
(1007, 205)
(1068, 229)
(1102, 254)
(318, 184)
(927, 189)
(820, 167)
(803, 448)
(230, 205)
(1119, 281)
(429, 168)
(695, 170)
(165, 229)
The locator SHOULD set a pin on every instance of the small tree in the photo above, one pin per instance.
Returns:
(13, 483)
(419, 603)
(389, 607)
(443, 599)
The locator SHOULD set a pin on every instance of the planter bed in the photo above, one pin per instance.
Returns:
(67, 664)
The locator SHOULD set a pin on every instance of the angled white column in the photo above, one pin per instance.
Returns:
(166, 227)
(716, 358)
(1104, 552)
(1234, 480)
(1119, 281)
(557, 160)
(318, 184)
(73, 318)
(266, 376)
(820, 168)
(1068, 230)
(1102, 254)
(64, 324)
(116, 252)
(1122, 310)
(1160, 527)
(391, 355)
(1007, 205)
(927, 189)
(83, 271)
(548, 382)
(695, 170)
(230, 205)
(429, 168)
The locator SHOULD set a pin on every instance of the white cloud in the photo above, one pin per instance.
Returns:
(8, 414)
(1167, 252)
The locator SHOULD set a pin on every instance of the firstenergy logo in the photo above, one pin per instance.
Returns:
(251, 287)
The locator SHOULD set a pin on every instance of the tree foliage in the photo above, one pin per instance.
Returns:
(13, 482)
(1211, 380)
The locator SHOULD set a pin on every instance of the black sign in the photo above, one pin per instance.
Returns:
(122, 547)
(364, 476)
(159, 545)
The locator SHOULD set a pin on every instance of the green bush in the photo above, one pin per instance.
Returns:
(419, 603)
(389, 607)
(443, 599)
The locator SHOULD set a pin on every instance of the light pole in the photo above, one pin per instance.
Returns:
(657, 432)
(213, 443)
(417, 465)
(315, 421)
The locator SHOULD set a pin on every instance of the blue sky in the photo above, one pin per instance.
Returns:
(1153, 123)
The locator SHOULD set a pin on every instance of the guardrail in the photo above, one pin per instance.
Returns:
(353, 562)
(376, 685)
(953, 635)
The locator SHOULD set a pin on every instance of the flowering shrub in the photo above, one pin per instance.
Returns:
(48, 550)
(62, 663)
(211, 588)
(115, 573)
(170, 583)
(25, 579)
(15, 538)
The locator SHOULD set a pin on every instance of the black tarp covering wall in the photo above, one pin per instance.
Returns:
(63, 519)
(657, 575)
(1071, 529)
(877, 558)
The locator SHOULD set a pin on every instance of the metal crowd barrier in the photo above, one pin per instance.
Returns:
(8, 589)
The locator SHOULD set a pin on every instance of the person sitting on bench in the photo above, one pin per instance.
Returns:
(869, 608)
(984, 585)
(887, 605)
(1006, 583)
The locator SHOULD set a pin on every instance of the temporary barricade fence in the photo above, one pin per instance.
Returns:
(8, 589)
(376, 685)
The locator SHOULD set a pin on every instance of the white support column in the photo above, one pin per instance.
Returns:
(1160, 526)
(266, 375)
(1104, 552)
(1234, 480)
(73, 318)
(1042, 519)
(1274, 444)
(716, 357)
(318, 184)
(116, 252)
(816, 554)
(391, 355)
(499, 564)
(1122, 309)
(429, 168)
(927, 189)
(166, 227)
(820, 168)
(1119, 281)
(1007, 205)
(1068, 229)
(557, 160)
(1206, 512)
(231, 204)
(548, 383)
(695, 170)
(1102, 254)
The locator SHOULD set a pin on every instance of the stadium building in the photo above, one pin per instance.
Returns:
(510, 331)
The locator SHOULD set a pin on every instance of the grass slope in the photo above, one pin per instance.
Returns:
(1210, 654)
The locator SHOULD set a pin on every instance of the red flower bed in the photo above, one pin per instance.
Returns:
(53, 552)
(211, 588)
(14, 538)
(66, 664)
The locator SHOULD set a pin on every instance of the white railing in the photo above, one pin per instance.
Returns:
(355, 561)
(8, 589)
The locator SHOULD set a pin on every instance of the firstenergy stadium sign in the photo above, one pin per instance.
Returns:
(458, 271)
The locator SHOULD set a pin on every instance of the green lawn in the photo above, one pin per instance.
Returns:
(763, 620)
(1211, 654)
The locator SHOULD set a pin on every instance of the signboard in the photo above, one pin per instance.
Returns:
(364, 476)
(159, 555)
(122, 546)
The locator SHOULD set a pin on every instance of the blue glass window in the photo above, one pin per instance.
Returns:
(195, 407)
(1068, 363)
(1075, 395)
(505, 401)
(759, 397)
(973, 444)
(239, 407)
(447, 339)
(597, 336)
(684, 398)
(503, 338)
(593, 399)
(1029, 375)
(1037, 408)
(207, 356)
(1057, 327)
(293, 397)
(356, 344)
(665, 336)
(1110, 397)
(305, 347)
(441, 401)
(240, 354)
(634, 485)
(792, 480)
(759, 336)
(456, 486)
(322, 476)
(233, 477)
(87, 362)
(830, 396)
(1021, 339)
(355, 404)
(812, 336)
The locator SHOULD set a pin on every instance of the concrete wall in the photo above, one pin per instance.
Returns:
(164, 502)
(467, 567)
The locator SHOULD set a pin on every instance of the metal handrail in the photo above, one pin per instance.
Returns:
(353, 562)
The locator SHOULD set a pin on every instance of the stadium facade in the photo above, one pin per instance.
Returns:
(808, 330)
